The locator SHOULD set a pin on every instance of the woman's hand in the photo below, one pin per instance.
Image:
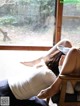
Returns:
(46, 93)
(50, 91)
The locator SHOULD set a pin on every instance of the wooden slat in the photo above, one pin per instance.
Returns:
(70, 77)
(71, 17)
(71, 104)
(35, 48)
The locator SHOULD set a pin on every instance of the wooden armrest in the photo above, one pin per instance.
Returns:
(70, 77)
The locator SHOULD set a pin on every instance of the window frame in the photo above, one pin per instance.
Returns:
(57, 33)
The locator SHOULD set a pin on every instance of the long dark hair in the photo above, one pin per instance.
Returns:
(53, 62)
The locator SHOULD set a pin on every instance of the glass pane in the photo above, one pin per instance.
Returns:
(27, 22)
(71, 23)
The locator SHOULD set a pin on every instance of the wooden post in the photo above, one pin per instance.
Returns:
(58, 26)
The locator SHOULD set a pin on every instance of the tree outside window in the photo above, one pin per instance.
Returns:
(27, 22)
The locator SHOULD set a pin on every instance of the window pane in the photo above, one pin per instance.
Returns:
(27, 22)
(71, 24)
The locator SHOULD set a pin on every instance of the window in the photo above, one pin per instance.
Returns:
(27, 22)
(71, 22)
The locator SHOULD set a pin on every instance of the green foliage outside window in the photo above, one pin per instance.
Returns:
(27, 12)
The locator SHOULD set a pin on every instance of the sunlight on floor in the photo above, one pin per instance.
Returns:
(7, 56)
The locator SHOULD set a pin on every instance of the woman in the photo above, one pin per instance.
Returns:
(23, 85)
(71, 65)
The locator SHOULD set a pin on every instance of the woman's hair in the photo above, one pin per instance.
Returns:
(53, 62)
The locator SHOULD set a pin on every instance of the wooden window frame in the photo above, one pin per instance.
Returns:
(57, 34)
(58, 27)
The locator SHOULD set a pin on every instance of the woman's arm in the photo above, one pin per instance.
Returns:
(32, 63)
(50, 91)
(49, 53)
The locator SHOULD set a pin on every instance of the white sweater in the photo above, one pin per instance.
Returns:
(26, 82)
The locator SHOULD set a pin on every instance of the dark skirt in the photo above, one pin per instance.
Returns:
(7, 97)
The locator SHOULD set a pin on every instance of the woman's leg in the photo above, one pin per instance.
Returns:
(6, 93)
(33, 101)
(71, 64)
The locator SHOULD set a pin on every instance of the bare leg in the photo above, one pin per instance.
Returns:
(71, 63)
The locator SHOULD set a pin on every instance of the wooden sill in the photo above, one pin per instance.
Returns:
(33, 48)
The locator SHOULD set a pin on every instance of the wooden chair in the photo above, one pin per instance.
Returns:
(65, 79)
